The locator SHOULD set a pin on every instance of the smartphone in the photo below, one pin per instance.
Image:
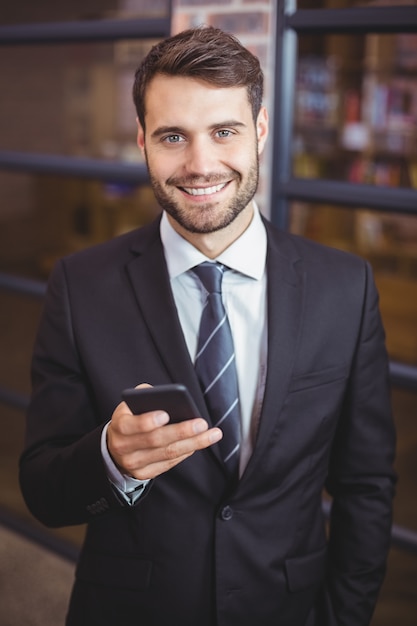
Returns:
(175, 399)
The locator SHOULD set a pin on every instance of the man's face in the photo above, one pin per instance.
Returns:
(202, 147)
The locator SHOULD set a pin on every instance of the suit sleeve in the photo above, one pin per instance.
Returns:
(62, 473)
(361, 480)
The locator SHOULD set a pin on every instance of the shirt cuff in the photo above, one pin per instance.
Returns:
(129, 488)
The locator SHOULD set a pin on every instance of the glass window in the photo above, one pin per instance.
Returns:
(389, 242)
(356, 109)
(73, 99)
(45, 217)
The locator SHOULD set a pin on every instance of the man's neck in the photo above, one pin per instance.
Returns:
(214, 243)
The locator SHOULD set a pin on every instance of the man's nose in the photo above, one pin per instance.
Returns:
(201, 157)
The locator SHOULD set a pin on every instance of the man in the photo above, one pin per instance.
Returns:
(174, 535)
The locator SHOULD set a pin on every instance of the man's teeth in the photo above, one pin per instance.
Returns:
(204, 191)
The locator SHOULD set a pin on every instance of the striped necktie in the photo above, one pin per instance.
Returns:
(215, 365)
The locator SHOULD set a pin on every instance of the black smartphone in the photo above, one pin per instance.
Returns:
(175, 399)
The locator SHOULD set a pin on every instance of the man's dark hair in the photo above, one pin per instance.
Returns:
(205, 53)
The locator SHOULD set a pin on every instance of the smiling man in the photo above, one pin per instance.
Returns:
(216, 520)
(203, 165)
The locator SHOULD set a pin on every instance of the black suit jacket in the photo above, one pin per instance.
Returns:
(194, 552)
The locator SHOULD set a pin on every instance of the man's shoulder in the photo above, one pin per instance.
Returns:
(117, 250)
(308, 251)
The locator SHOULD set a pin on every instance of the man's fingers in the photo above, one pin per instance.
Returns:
(156, 446)
(187, 446)
(149, 463)
(156, 469)
(147, 445)
(144, 423)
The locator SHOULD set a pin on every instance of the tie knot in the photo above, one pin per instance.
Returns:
(211, 275)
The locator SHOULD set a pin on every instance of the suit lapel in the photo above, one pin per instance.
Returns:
(150, 281)
(285, 313)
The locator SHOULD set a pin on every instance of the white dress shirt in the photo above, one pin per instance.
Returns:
(244, 297)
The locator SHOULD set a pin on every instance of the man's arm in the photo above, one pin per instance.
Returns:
(361, 481)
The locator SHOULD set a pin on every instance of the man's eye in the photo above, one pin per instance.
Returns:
(173, 139)
(224, 133)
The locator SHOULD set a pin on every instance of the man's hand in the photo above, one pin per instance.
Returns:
(145, 446)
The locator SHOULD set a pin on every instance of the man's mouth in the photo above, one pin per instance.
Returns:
(204, 191)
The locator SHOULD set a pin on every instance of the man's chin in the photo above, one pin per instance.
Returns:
(205, 222)
(190, 216)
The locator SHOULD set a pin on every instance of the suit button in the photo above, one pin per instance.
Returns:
(226, 513)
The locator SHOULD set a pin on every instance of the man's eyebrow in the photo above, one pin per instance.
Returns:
(179, 130)
(227, 124)
(168, 130)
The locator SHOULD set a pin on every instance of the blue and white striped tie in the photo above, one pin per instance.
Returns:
(215, 365)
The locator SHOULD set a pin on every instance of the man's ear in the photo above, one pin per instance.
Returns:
(141, 137)
(262, 124)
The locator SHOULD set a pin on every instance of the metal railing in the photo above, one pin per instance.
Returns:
(82, 31)
(113, 171)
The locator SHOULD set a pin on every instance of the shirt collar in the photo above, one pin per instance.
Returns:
(246, 255)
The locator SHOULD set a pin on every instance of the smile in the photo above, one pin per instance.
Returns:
(203, 191)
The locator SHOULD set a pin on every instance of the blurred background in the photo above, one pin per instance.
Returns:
(341, 89)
